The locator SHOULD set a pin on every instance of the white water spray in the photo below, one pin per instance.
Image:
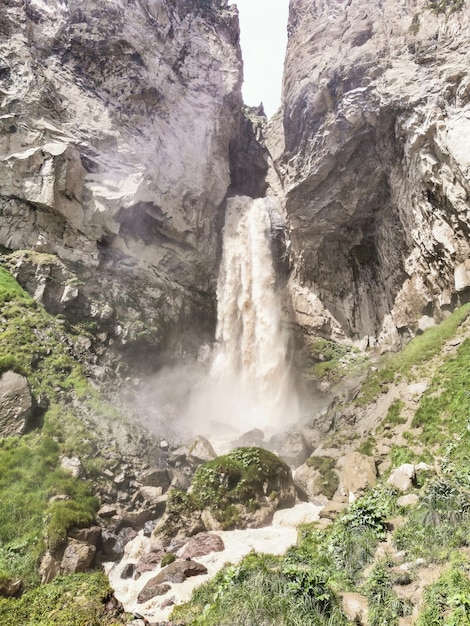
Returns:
(249, 384)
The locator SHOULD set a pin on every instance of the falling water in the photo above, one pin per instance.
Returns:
(249, 378)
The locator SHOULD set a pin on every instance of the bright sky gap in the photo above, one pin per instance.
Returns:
(263, 25)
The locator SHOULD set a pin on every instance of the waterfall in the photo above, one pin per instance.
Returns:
(249, 384)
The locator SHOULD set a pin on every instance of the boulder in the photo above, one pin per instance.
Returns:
(201, 450)
(410, 499)
(77, 557)
(201, 544)
(89, 535)
(16, 404)
(10, 587)
(151, 590)
(291, 447)
(148, 562)
(355, 607)
(72, 465)
(178, 571)
(356, 472)
(155, 477)
(402, 477)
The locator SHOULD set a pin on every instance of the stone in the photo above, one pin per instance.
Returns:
(355, 607)
(90, 535)
(148, 562)
(254, 437)
(356, 472)
(151, 590)
(72, 465)
(10, 587)
(411, 499)
(150, 495)
(307, 481)
(123, 537)
(402, 477)
(178, 571)
(155, 477)
(201, 449)
(128, 571)
(16, 404)
(77, 557)
(290, 447)
(202, 544)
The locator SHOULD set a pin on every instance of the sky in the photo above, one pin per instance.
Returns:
(263, 25)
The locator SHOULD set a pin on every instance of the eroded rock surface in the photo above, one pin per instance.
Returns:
(374, 166)
(115, 138)
(16, 404)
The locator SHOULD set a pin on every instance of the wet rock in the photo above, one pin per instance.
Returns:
(151, 590)
(148, 562)
(16, 404)
(124, 536)
(201, 544)
(178, 571)
(128, 571)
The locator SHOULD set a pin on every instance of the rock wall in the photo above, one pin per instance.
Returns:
(375, 164)
(115, 134)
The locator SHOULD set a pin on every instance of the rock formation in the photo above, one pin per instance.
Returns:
(117, 125)
(375, 164)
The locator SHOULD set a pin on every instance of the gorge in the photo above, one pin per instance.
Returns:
(172, 261)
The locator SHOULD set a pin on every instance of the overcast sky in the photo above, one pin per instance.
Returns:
(263, 25)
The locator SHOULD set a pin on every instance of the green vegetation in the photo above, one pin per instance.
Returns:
(265, 590)
(440, 523)
(447, 601)
(418, 352)
(367, 446)
(331, 361)
(384, 606)
(43, 500)
(328, 481)
(415, 25)
(445, 6)
(77, 600)
(240, 476)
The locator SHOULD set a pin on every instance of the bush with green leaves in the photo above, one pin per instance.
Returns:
(77, 600)
(447, 601)
(439, 523)
(355, 534)
(384, 607)
(264, 590)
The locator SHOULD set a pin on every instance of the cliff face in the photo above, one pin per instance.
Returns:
(375, 164)
(115, 134)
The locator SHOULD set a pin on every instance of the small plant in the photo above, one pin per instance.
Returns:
(167, 559)
(385, 607)
(327, 483)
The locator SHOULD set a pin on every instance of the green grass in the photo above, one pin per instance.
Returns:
(416, 353)
(264, 590)
(447, 601)
(77, 600)
(332, 361)
(328, 481)
(384, 607)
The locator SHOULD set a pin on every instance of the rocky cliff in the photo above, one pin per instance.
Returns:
(116, 130)
(375, 163)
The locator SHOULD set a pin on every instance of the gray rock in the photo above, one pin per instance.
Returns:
(16, 404)
(201, 449)
(402, 477)
(77, 557)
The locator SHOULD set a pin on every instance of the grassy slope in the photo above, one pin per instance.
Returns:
(35, 344)
(303, 587)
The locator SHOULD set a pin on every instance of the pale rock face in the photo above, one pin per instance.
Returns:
(117, 119)
(375, 164)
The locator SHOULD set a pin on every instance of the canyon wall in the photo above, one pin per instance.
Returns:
(372, 148)
(116, 130)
